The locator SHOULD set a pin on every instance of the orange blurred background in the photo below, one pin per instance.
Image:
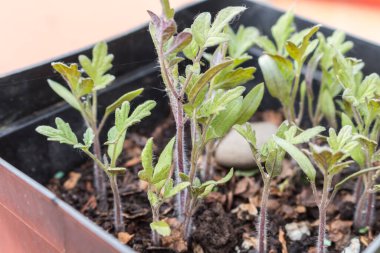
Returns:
(37, 30)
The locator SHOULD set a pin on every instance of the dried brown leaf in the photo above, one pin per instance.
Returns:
(72, 181)
(124, 237)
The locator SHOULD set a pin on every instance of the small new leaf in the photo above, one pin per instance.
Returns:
(161, 227)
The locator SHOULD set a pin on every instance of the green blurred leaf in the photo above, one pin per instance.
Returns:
(250, 103)
(223, 17)
(147, 161)
(282, 30)
(201, 27)
(161, 227)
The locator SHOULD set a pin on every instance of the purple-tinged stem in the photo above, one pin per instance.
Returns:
(155, 235)
(262, 229)
(118, 218)
(321, 231)
(99, 178)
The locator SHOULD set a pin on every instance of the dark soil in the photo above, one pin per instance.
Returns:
(226, 220)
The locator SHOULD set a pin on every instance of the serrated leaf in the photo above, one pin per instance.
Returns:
(65, 94)
(168, 11)
(298, 156)
(250, 103)
(161, 227)
(62, 134)
(97, 67)
(126, 97)
(205, 78)
(223, 17)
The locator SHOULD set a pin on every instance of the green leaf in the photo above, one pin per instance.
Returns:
(162, 168)
(328, 107)
(298, 156)
(65, 94)
(147, 161)
(306, 135)
(153, 199)
(266, 44)
(167, 10)
(88, 137)
(201, 27)
(62, 134)
(176, 189)
(205, 78)
(223, 122)
(242, 41)
(282, 30)
(278, 86)
(250, 103)
(218, 102)
(126, 97)
(100, 64)
(161, 227)
(191, 50)
(233, 78)
(248, 133)
(223, 18)
(216, 40)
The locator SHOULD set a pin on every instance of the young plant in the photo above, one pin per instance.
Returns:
(283, 61)
(82, 96)
(361, 110)
(161, 187)
(271, 155)
(330, 159)
(212, 105)
(235, 48)
(116, 136)
(329, 87)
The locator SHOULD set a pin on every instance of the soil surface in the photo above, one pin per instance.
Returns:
(226, 220)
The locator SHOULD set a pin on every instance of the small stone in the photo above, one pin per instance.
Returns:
(234, 151)
(296, 231)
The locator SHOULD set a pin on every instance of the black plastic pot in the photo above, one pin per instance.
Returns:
(26, 101)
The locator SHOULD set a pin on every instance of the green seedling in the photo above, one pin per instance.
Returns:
(82, 93)
(283, 61)
(271, 155)
(361, 110)
(330, 159)
(161, 186)
(207, 96)
(116, 136)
